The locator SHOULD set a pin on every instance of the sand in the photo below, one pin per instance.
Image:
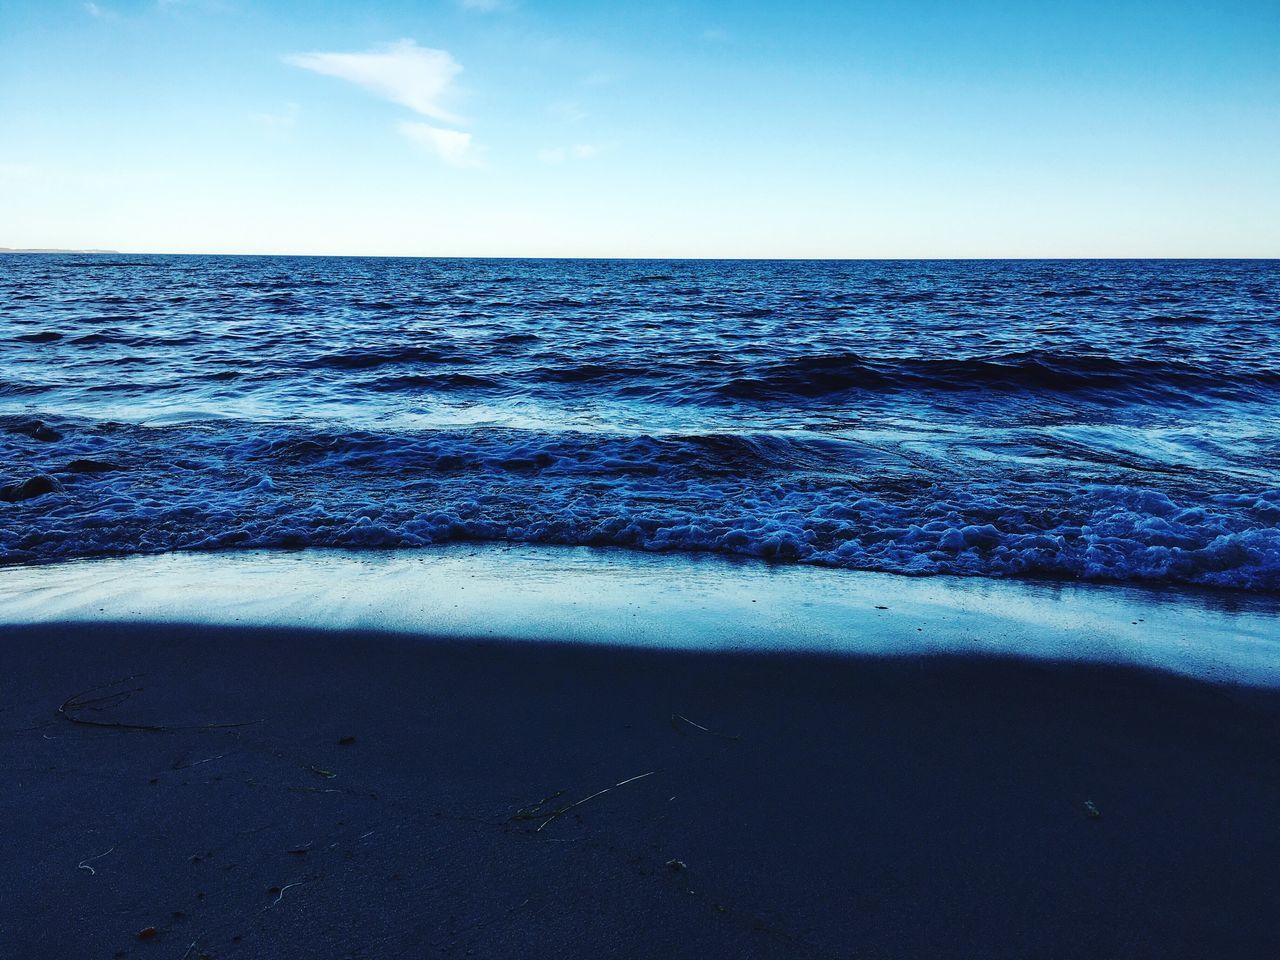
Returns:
(340, 791)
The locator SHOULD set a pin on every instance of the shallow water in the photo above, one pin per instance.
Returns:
(1102, 420)
(622, 598)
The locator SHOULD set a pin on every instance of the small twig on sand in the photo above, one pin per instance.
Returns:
(563, 810)
(84, 864)
(196, 763)
(281, 890)
(77, 702)
(72, 706)
(533, 811)
(715, 733)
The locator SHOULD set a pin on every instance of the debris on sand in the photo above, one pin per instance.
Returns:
(599, 793)
(84, 864)
(535, 810)
(279, 891)
(678, 719)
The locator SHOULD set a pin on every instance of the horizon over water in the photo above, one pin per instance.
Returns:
(1106, 420)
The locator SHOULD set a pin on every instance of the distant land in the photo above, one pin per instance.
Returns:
(49, 250)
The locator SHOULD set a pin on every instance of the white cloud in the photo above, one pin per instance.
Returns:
(402, 72)
(578, 151)
(483, 6)
(93, 10)
(410, 75)
(452, 146)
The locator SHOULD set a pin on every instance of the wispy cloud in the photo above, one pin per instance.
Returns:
(94, 10)
(402, 72)
(454, 147)
(577, 151)
(484, 6)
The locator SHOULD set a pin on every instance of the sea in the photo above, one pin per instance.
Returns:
(1109, 420)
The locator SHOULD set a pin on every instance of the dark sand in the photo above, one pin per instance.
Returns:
(853, 807)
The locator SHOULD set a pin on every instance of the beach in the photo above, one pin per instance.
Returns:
(716, 481)
(906, 768)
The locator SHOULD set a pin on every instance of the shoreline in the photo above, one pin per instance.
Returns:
(623, 598)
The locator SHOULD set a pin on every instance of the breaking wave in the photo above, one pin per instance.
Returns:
(97, 488)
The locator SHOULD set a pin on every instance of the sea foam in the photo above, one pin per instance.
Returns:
(126, 488)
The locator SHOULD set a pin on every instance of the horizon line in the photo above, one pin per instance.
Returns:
(100, 251)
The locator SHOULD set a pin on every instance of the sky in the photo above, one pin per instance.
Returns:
(916, 128)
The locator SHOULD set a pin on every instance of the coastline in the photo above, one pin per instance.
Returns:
(820, 779)
(609, 597)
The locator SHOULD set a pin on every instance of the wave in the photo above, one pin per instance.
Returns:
(1031, 371)
(436, 382)
(105, 263)
(92, 488)
(361, 359)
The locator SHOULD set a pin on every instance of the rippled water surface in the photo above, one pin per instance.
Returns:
(1102, 420)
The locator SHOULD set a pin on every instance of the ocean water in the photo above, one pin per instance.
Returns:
(1093, 420)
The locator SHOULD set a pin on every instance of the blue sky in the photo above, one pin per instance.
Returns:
(557, 128)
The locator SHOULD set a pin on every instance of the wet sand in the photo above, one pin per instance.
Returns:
(267, 791)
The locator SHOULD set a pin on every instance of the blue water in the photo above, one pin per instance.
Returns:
(1100, 420)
